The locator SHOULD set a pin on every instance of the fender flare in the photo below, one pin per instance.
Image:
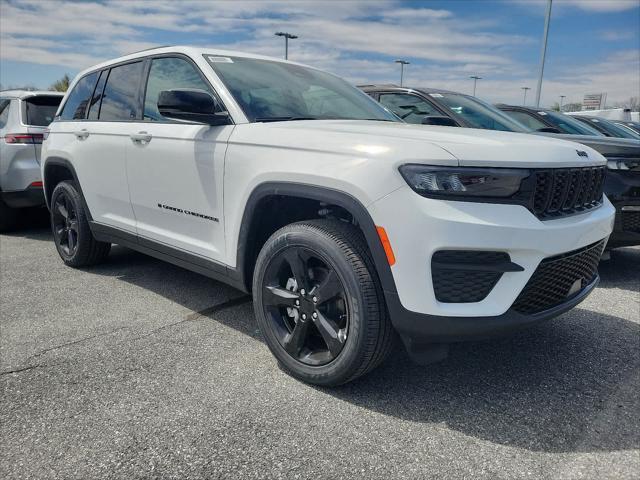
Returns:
(326, 195)
(48, 190)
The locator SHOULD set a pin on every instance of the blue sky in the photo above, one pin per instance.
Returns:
(594, 45)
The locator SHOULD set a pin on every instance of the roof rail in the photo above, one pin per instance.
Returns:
(146, 49)
(377, 85)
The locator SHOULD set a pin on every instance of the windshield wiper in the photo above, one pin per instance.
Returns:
(282, 119)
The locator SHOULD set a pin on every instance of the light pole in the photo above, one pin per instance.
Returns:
(286, 36)
(402, 64)
(524, 101)
(475, 79)
(545, 35)
(562, 97)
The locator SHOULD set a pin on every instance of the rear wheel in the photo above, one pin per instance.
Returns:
(71, 233)
(319, 304)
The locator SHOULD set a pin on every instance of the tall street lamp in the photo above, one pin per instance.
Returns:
(402, 64)
(475, 78)
(545, 36)
(562, 97)
(286, 36)
(524, 101)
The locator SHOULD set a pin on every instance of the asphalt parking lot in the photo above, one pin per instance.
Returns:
(139, 369)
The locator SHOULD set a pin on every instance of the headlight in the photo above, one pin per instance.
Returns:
(616, 163)
(463, 182)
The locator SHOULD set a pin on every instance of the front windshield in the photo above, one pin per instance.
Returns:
(569, 125)
(477, 113)
(615, 130)
(268, 90)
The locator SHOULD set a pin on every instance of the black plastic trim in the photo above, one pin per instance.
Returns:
(162, 251)
(321, 194)
(418, 328)
(48, 190)
(29, 197)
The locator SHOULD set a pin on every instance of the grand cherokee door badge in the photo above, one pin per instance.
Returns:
(188, 212)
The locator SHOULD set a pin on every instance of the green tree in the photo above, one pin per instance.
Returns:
(61, 85)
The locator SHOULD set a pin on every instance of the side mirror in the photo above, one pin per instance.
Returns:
(439, 120)
(191, 105)
(548, 130)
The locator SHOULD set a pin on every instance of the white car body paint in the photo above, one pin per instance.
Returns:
(214, 170)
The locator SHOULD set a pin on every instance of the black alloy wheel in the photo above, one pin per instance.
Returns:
(65, 224)
(306, 306)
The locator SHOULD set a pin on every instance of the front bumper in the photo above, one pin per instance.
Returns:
(418, 227)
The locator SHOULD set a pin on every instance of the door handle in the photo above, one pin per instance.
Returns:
(81, 134)
(141, 137)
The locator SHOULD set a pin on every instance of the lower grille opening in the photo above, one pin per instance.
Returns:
(456, 278)
(559, 278)
(631, 221)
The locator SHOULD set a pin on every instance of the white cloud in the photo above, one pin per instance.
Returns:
(350, 38)
(601, 5)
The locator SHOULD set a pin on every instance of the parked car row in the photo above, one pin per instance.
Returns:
(349, 226)
(440, 107)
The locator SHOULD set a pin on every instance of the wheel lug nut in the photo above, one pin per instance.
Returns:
(315, 315)
(298, 302)
(302, 292)
(315, 299)
(304, 316)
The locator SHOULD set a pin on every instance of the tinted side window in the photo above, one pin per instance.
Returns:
(76, 105)
(94, 108)
(4, 111)
(410, 108)
(526, 119)
(120, 97)
(170, 74)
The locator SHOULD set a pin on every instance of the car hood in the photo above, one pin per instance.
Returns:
(417, 143)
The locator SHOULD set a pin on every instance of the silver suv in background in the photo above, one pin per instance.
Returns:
(24, 117)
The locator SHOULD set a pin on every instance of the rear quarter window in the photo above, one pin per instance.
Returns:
(40, 111)
(75, 107)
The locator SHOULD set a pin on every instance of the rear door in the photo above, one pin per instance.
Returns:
(95, 123)
(175, 169)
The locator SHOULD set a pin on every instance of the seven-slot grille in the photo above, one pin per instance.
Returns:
(563, 191)
(558, 278)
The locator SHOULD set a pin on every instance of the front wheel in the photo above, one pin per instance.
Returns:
(319, 304)
(71, 232)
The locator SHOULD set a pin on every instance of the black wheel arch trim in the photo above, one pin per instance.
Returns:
(322, 194)
(48, 189)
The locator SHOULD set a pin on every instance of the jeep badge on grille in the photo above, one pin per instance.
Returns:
(582, 153)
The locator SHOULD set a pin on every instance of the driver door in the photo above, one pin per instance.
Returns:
(175, 169)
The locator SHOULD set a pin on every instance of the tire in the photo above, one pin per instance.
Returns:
(357, 313)
(71, 232)
(8, 217)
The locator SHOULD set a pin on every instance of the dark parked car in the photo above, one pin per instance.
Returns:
(622, 184)
(441, 107)
(607, 127)
(635, 126)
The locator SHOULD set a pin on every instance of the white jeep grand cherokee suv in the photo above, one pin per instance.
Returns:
(347, 224)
